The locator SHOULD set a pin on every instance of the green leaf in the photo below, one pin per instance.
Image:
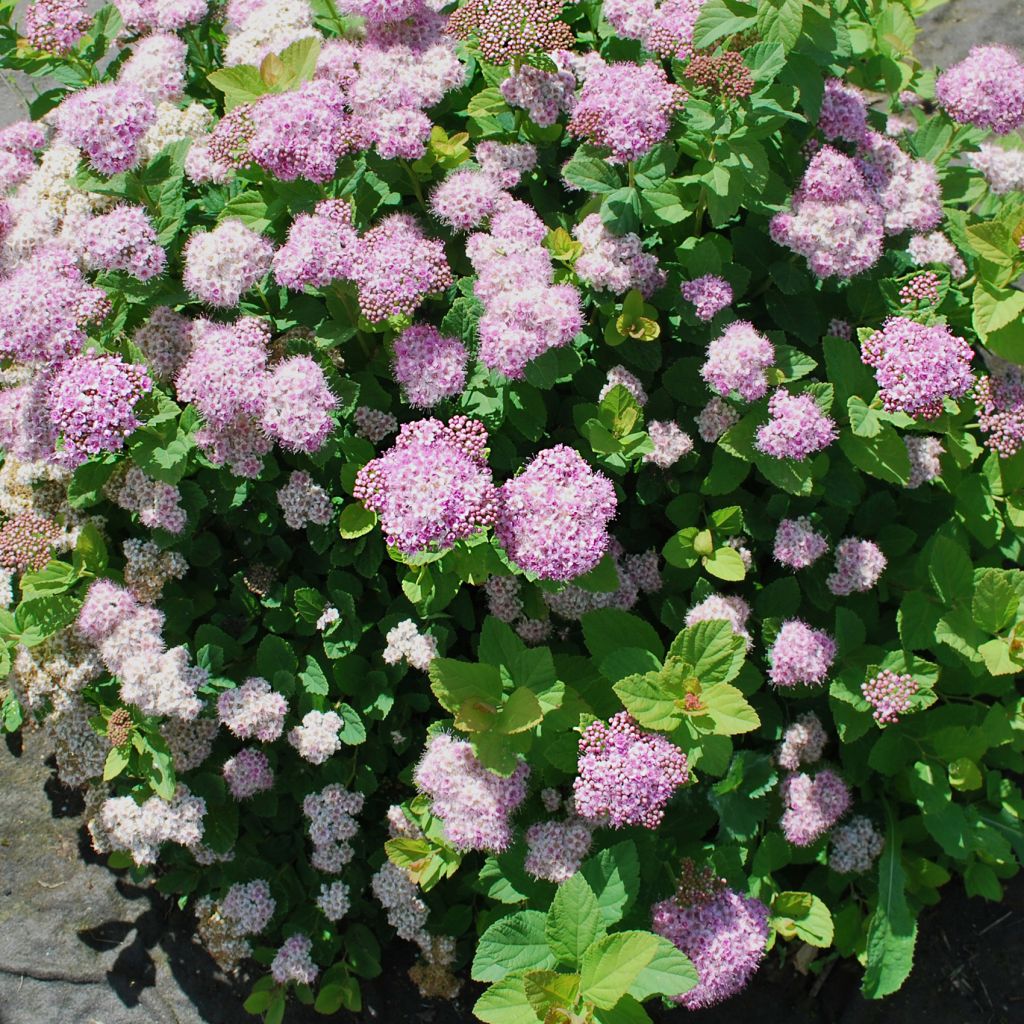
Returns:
(995, 601)
(41, 617)
(780, 21)
(356, 520)
(643, 697)
(520, 713)
(995, 308)
(802, 915)
(54, 578)
(116, 762)
(352, 732)
(726, 564)
(591, 173)
(608, 629)
(614, 876)
(506, 1003)
(884, 455)
(275, 654)
(950, 571)
(514, 943)
(313, 679)
(892, 932)
(713, 649)
(239, 84)
(720, 18)
(729, 710)
(670, 973)
(573, 921)
(613, 964)
(546, 989)
(456, 682)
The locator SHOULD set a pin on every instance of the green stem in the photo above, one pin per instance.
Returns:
(417, 190)
(698, 214)
(631, 171)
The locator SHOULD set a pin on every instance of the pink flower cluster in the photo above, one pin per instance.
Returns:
(985, 89)
(316, 738)
(619, 376)
(917, 366)
(319, 246)
(670, 443)
(157, 67)
(1000, 402)
(922, 288)
(249, 906)
(164, 340)
(855, 847)
(737, 360)
(665, 27)
(428, 366)
(406, 643)
(924, 453)
(803, 742)
(615, 263)
(161, 15)
(158, 505)
(859, 563)
(798, 544)
(141, 829)
(626, 776)
(297, 405)
(222, 264)
(465, 199)
(542, 94)
(475, 804)
(635, 573)
(715, 419)
(797, 427)
(936, 248)
(18, 143)
(506, 162)
(332, 826)
(56, 26)
(889, 694)
(304, 502)
(253, 710)
(525, 315)
(710, 294)
(373, 424)
(626, 108)
(813, 805)
(555, 849)
(800, 655)
(107, 123)
(844, 112)
(123, 239)
(92, 404)
(553, 518)
(722, 931)
(433, 486)
(1003, 168)
(128, 635)
(294, 962)
(248, 773)
(45, 305)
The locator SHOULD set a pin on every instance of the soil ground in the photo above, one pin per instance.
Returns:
(80, 944)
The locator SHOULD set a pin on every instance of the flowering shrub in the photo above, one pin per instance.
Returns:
(530, 480)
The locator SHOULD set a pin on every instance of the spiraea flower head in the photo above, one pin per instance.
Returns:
(985, 89)
(433, 486)
(798, 544)
(222, 264)
(917, 366)
(737, 360)
(555, 849)
(123, 239)
(1000, 402)
(626, 776)
(855, 847)
(107, 122)
(800, 655)
(710, 294)
(796, 428)
(56, 26)
(722, 931)
(429, 366)
(670, 443)
(889, 695)
(859, 563)
(474, 803)
(813, 805)
(507, 29)
(731, 609)
(802, 743)
(554, 515)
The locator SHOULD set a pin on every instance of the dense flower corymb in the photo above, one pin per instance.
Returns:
(553, 518)
(889, 694)
(722, 931)
(797, 427)
(626, 776)
(986, 89)
(800, 654)
(813, 805)
(859, 563)
(433, 486)
(737, 360)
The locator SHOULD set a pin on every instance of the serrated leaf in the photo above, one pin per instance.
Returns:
(729, 710)
(614, 876)
(802, 915)
(456, 682)
(514, 943)
(670, 973)
(950, 571)
(726, 563)
(613, 964)
(356, 520)
(573, 921)
(713, 649)
(546, 989)
(506, 1003)
(520, 713)
(643, 697)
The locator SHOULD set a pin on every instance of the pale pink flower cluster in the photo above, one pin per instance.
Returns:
(222, 264)
(800, 655)
(796, 427)
(889, 694)
(248, 773)
(985, 89)
(465, 199)
(294, 962)
(813, 804)
(555, 849)
(525, 314)
(544, 95)
(715, 419)
(304, 502)
(123, 239)
(248, 906)
(332, 826)
(316, 739)
(141, 829)
(1003, 168)
(803, 742)
(429, 366)
(615, 263)
(619, 376)
(710, 294)
(107, 122)
(636, 573)
(165, 341)
(474, 803)
(158, 505)
(670, 443)
(147, 568)
(506, 162)
(859, 563)
(161, 15)
(334, 900)
(128, 635)
(923, 452)
(157, 67)
(373, 424)
(406, 643)
(253, 710)
(260, 27)
(798, 544)
(665, 27)
(936, 248)
(737, 360)
(855, 847)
